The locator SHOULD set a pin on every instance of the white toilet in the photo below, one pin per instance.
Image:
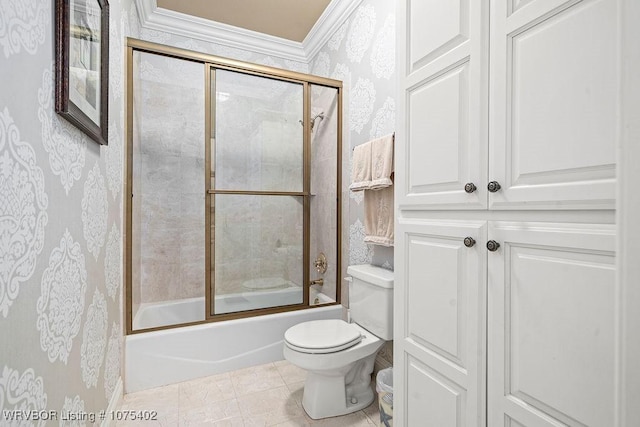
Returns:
(339, 356)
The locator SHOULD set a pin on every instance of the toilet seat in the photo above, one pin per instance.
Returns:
(322, 336)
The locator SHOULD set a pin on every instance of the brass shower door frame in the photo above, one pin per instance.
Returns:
(211, 63)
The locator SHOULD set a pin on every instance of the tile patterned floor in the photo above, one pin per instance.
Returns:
(265, 395)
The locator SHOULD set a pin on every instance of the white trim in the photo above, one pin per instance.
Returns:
(628, 210)
(335, 14)
(145, 9)
(154, 18)
(114, 403)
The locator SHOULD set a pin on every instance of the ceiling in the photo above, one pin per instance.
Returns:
(288, 19)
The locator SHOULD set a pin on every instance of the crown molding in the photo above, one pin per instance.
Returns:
(335, 14)
(154, 18)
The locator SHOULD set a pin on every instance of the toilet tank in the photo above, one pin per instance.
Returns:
(371, 299)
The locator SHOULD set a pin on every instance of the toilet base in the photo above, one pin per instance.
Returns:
(334, 393)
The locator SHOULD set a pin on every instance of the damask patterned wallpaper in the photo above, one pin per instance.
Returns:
(60, 225)
(362, 54)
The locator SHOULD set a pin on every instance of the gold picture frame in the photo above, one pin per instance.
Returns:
(82, 65)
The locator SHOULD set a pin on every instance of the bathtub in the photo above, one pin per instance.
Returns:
(153, 359)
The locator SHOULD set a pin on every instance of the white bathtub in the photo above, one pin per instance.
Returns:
(155, 314)
(153, 359)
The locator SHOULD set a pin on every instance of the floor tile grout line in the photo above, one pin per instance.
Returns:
(181, 404)
(286, 384)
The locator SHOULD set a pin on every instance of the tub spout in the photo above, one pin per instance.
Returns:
(316, 282)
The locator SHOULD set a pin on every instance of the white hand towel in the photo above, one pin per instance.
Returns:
(361, 168)
(381, 162)
(378, 216)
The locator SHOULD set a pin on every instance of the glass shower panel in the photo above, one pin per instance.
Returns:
(257, 250)
(323, 227)
(258, 192)
(168, 180)
(258, 133)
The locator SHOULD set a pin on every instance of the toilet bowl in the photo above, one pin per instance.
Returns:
(339, 356)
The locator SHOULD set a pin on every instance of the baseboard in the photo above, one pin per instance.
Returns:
(114, 404)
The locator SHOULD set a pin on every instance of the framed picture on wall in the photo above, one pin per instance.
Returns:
(82, 65)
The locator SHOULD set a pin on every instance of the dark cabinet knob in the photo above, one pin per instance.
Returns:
(492, 245)
(469, 242)
(493, 186)
(470, 187)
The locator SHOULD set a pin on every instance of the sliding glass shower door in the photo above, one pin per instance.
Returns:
(258, 198)
(166, 165)
(223, 208)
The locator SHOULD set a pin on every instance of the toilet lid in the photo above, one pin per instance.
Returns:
(322, 336)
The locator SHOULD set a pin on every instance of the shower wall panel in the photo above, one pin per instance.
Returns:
(324, 177)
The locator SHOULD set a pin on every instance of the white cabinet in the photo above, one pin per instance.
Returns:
(521, 336)
(524, 93)
(554, 78)
(551, 329)
(443, 60)
(442, 307)
(545, 131)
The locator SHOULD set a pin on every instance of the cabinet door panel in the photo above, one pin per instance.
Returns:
(442, 140)
(437, 159)
(551, 324)
(440, 335)
(435, 29)
(425, 385)
(554, 104)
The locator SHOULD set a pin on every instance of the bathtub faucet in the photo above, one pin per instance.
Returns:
(316, 282)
